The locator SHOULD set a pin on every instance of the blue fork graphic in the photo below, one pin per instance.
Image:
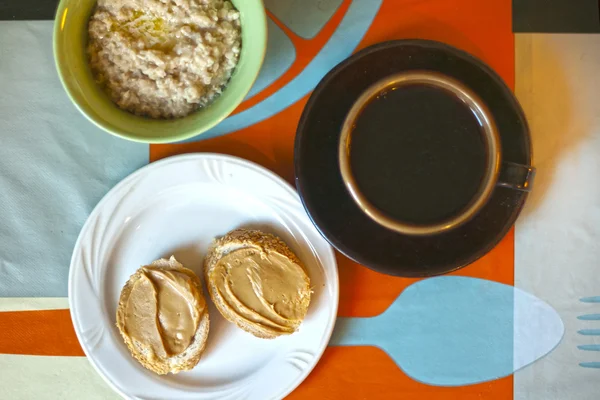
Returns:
(590, 332)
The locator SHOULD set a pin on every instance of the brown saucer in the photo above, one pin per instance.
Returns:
(328, 203)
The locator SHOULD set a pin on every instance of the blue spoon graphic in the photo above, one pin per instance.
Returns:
(454, 331)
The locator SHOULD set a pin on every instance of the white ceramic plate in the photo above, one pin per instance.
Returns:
(177, 206)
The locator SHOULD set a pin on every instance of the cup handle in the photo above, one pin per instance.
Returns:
(516, 176)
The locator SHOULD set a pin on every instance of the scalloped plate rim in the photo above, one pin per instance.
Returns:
(331, 272)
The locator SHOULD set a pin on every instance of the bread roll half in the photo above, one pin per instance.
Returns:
(258, 283)
(163, 317)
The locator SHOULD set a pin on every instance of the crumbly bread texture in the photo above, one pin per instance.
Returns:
(181, 362)
(245, 238)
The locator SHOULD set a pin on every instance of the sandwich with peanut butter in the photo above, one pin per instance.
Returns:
(257, 283)
(163, 317)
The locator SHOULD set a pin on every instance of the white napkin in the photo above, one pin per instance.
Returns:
(557, 254)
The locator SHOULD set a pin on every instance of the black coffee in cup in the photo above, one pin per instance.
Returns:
(417, 153)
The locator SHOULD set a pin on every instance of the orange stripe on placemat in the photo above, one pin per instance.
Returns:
(368, 373)
(40, 333)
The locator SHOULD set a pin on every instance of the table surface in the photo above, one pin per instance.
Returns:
(55, 166)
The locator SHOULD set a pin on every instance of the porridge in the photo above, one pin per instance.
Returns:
(163, 58)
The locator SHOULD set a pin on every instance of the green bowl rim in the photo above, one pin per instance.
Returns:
(151, 139)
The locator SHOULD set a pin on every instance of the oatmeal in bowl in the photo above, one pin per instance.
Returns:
(163, 59)
(158, 70)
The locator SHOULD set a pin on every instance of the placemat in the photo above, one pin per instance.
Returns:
(55, 166)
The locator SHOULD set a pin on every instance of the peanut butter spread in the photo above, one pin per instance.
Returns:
(163, 311)
(264, 288)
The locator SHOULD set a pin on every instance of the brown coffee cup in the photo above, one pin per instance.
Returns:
(497, 171)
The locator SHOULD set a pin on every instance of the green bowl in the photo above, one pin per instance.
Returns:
(70, 40)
